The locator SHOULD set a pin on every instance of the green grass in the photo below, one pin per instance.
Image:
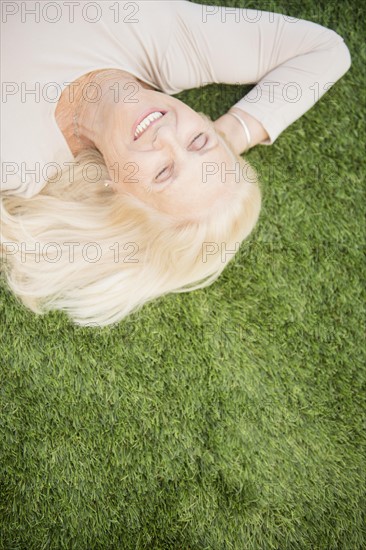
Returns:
(226, 418)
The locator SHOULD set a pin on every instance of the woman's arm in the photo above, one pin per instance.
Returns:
(293, 62)
(234, 131)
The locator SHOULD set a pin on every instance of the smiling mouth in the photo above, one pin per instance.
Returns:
(145, 121)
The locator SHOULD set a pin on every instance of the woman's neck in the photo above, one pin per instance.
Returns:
(68, 104)
(76, 110)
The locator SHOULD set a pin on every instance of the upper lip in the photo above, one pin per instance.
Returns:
(141, 118)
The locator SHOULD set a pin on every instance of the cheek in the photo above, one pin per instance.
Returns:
(131, 175)
(181, 108)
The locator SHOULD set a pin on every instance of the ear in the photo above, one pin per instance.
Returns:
(108, 183)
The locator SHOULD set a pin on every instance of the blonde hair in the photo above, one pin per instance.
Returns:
(98, 255)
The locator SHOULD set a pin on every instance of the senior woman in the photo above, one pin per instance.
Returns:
(114, 192)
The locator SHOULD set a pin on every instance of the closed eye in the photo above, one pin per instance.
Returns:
(193, 141)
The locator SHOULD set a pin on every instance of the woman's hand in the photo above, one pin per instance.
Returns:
(234, 132)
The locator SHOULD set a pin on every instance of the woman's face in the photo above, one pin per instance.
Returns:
(178, 164)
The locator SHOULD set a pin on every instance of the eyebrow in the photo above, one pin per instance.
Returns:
(202, 152)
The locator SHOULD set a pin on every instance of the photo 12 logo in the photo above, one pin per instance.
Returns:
(70, 12)
(52, 252)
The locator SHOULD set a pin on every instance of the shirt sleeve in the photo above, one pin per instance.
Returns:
(293, 62)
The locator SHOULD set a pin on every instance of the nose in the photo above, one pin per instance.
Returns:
(165, 136)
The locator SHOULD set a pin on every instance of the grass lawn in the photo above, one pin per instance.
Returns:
(228, 418)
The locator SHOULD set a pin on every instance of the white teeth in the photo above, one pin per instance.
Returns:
(145, 123)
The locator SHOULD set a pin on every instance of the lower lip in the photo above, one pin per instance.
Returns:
(141, 118)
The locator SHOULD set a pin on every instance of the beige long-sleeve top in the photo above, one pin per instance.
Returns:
(171, 45)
